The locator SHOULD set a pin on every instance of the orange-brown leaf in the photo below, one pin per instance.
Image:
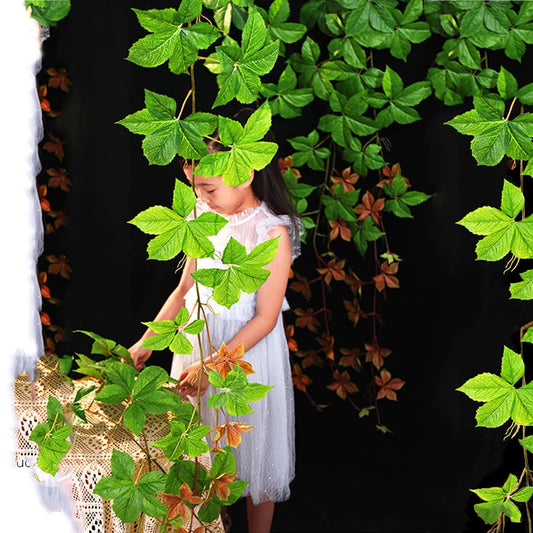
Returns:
(348, 179)
(306, 319)
(59, 265)
(388, 385)
(291, 342)
(175, 506)
(59, 179)
(59, 78)
(334, 269)
(339, 228)
(42, 92)
(342, 384)
(188, 495)
(375, 354)
(370, 207)
(225, 361)
(232, 431)
(299, 379)
(350, 358)
(55, 146)
(301, 285)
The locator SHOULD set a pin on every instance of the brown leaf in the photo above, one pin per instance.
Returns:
(299, 379)
(339, 228)
(225, 361)
(291, 342)
(59, 179)
(306, 319)
(59, 265)
(45, 204)
(375, 354)
(334, 269)
(342, 384)
(348, 179)
(351, 358)
(42, 92)
(302, 285)
(370, 207)
(388, 386)
(232, 431)
(175, 506)
(59, 78)
(55, 146)
(387, 276)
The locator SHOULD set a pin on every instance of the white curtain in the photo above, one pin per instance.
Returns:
(21, 235)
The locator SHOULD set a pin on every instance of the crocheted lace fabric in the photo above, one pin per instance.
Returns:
(88, 459)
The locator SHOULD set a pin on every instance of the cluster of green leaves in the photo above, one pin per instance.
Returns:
(471, 30)
(51, 437)
(147, 392)
(48, 12)
(502, 233)
(498, 131)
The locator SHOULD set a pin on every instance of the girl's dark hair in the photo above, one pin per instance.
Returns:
(268, 184)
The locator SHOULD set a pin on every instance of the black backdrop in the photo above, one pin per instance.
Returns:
(448, 322)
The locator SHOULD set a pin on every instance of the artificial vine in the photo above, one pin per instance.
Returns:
(338, 58)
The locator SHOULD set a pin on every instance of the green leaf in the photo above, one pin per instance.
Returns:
(171, 38)
(512, 199)
(485, 387)
(496, 412)
(48, 12)
(246, 153)
(242, 66)
(486, 220)
(131, 497)
(523, 495)
(527, 443)
(512, 366)
(489, 512)
(50, 437)
(523, 290)
(506, 84)
(107, 347)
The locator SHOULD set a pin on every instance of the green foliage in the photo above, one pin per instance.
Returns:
(130, 495)
(50, 436)
(176, 231)
(495, 135)
(240, 67)
(171, 38)
(502, 400)
(169, 333)
(48, 12)
(247, 152)
(244, 272)
(237, 392)
(166, 135)
(501, 500)
(502, 233)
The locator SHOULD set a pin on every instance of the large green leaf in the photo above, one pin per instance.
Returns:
(240, 67)
(246, 151)
(172, 37)
(51, 438)
(131, 496)
(244, 272)
(167, 136)
(175, 231)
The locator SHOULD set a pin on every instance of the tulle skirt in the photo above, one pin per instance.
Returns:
(266, 456)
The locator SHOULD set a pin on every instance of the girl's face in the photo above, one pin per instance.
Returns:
(220, 197)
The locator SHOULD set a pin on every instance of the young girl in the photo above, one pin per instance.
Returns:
(257, 210)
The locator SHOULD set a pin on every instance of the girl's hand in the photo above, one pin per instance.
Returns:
(139, 354)
(189, 380)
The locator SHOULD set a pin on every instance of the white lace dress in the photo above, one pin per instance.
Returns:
(265, 458)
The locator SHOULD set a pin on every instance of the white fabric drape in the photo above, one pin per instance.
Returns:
(21, 236)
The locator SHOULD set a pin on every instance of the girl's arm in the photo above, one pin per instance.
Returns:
(168, 311)
(269, 301)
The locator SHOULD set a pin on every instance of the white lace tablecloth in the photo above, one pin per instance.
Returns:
(88, 459)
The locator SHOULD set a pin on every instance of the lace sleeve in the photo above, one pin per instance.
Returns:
(294, 229)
